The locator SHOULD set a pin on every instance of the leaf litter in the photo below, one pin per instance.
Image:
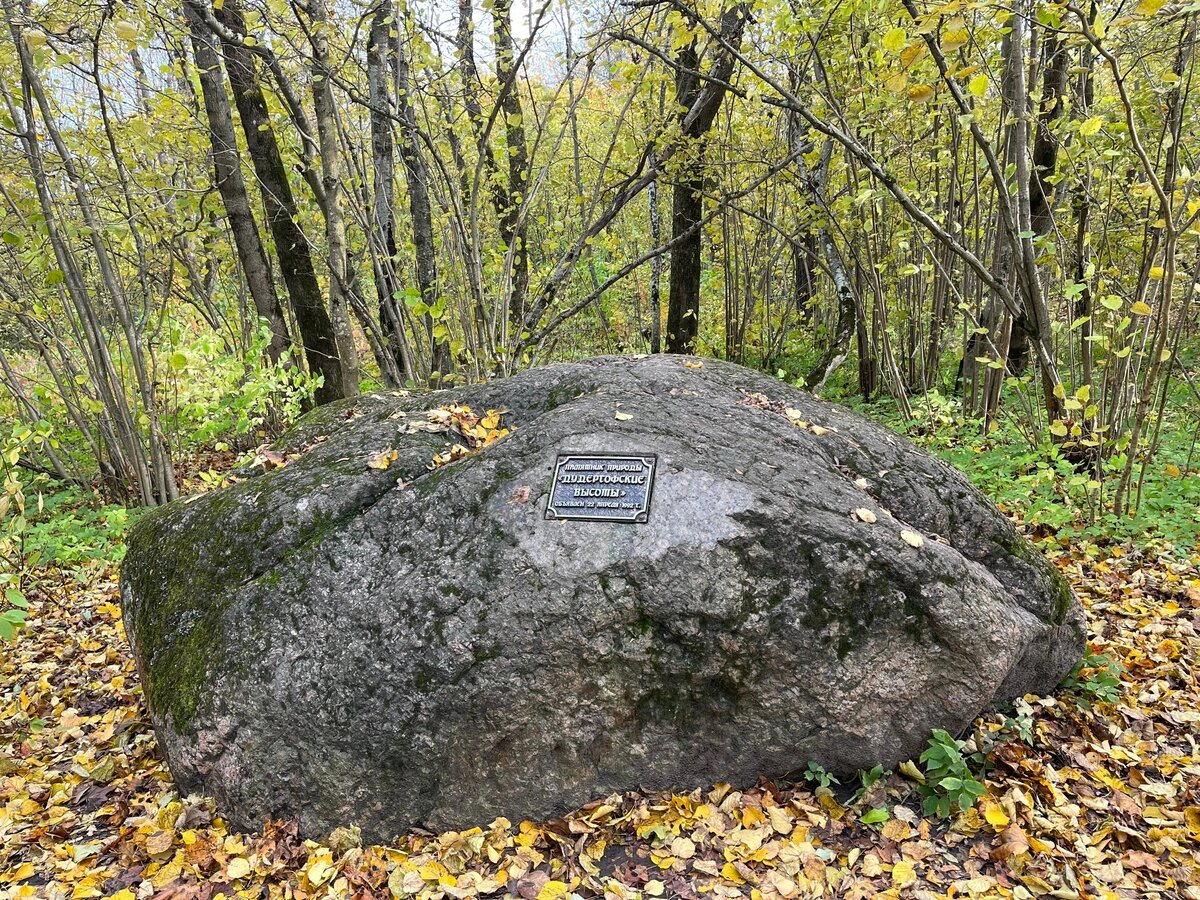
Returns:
(1084, 799)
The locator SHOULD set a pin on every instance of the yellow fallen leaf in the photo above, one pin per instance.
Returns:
(239, 867)
(683, 847)
(865, 515)
(995, 814)
(622, 416)
(1191, 816)
(912, 538)
(20, 873)
(980, 884)
(909, 769)
(87, 887)
(319, 872)
(903, 873)
(780, 820)
(159, 842)
(897, 831)
(382, 459)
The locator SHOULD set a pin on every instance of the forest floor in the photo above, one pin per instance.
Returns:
(1083, 800)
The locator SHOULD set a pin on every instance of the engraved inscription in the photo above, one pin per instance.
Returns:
(601, 487)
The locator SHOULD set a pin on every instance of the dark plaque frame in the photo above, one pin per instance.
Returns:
(638, 516)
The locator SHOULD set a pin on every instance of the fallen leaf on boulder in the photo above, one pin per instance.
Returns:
(383, 459)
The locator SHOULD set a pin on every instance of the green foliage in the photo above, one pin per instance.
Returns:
(14, 616)
(876, 815)
(816, 774)
(950, 783)
(1095, 678)
(872, 792)
(1020, 725)
(874, 776)
(16, 558)
(219, 398)
(1058, 496)
(77, 530)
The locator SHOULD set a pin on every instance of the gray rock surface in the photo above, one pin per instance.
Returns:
(400, 647)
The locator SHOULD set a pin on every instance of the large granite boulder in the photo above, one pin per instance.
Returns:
(358, 636)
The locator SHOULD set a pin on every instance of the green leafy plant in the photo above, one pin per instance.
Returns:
(874, 776)
(872, 795)
(76, 530)
(1056, 495)
(1095, 678)
(229, 400)
(1020, 725)
(816, 774)
(950, 783)
(15, 558)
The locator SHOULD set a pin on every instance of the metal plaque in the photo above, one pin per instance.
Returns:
(601, 487)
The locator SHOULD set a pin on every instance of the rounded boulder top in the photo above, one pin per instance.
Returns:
(513, 598)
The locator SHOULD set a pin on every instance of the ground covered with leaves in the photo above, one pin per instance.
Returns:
(1095, 794)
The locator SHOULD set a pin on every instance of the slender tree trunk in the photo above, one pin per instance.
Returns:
(380, 53)
(1081, 204)
(228, 168)
(1055, 60)
(469, 73)
(416, 173)
(655, 267)
(839, 341)
(331, 180)
(981, 381)
(291, 245)
(512, 220)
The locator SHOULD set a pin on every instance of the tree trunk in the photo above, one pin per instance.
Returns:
(655, 267)
(291, 245)
(512, 225)
(228, 169)
(700, 105)
(1032, 212)
(331, 180)
(687, 209)
(416, 173)
(380, 52)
